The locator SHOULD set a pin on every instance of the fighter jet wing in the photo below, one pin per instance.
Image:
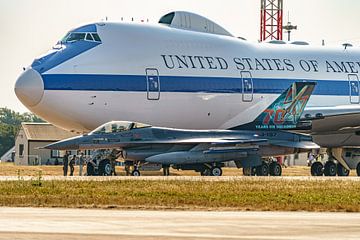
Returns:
(222, 141)
(332, 119)
(197, 141)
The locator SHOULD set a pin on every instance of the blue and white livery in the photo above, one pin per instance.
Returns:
(187, 72)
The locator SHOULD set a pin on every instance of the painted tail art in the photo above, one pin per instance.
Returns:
(285, 112)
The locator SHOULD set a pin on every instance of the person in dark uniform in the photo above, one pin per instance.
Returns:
(72, 164)
(65, 163)
(113, 157)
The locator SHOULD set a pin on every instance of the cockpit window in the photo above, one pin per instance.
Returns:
(89, 37)
(96, 37)
(115, 127)
(77, 36)
(73, 37)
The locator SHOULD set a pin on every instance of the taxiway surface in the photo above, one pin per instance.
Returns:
(54, 224)
(176, 178)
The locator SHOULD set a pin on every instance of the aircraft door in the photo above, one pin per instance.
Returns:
(354, 88)
(247, 87)
(153, 84)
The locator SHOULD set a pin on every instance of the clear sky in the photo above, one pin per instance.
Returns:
(29, 28)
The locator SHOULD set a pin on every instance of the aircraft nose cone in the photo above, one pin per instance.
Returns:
(29, 88)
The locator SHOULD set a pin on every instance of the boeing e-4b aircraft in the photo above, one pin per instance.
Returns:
(188, 72)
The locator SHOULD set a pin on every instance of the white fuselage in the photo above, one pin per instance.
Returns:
(178, 78)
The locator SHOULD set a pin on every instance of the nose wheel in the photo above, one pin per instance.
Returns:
(135, 173)
(216, 171)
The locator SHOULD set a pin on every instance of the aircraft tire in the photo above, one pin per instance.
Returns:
(358, 170)
(105, 168)
(250, 171)
(216, 171)
(136, 173)
(90, 170)
(330, 169)
(275, 169)
(205, 172)
(263, 169)
(317, 169)
(341, 171)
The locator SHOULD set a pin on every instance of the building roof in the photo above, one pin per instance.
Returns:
(45, 132)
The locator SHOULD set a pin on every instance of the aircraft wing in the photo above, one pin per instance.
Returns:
(212, 141)
(333, 119)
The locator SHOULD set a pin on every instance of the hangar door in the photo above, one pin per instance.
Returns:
(354, 88)
(247, 87)
(153, 84)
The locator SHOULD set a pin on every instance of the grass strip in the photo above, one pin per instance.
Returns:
(246, 194)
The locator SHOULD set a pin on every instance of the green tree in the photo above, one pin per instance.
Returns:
(10, 123)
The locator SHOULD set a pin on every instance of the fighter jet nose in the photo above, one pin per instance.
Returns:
(29, 87)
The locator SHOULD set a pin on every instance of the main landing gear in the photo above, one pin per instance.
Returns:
(215, 171)
(265, 169)
(330, 169)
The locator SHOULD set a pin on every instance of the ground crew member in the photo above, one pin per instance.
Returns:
(81, 163)
(65, 163)
(113, 157)
(72, 164)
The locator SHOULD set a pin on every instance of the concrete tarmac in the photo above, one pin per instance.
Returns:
(177, 178)
(79, 224)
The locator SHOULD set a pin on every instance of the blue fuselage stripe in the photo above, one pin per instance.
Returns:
(137, 83)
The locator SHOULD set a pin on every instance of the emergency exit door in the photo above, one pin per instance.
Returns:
(354, 88)
(247, 87)
(153, 84)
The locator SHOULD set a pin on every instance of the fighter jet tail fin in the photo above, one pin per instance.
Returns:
(285, 112)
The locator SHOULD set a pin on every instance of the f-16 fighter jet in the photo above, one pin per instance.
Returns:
(205, 151)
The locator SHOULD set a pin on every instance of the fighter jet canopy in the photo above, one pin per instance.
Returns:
(118, 126)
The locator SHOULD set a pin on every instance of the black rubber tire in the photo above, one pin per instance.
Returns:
(205, 172)
(341, 171)
(358, 169)
(317, 169)
(216, 171)
(90, 170)
(263, 169)
(275, 169)
(250, 171)
(330, 169)
(136, 173)
(105, 168)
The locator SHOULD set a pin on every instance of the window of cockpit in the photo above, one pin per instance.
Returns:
(167, 19)
(96, 37)
(73, 37)
(89, 37)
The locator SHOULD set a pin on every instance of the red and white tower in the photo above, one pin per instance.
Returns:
(271, 25)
